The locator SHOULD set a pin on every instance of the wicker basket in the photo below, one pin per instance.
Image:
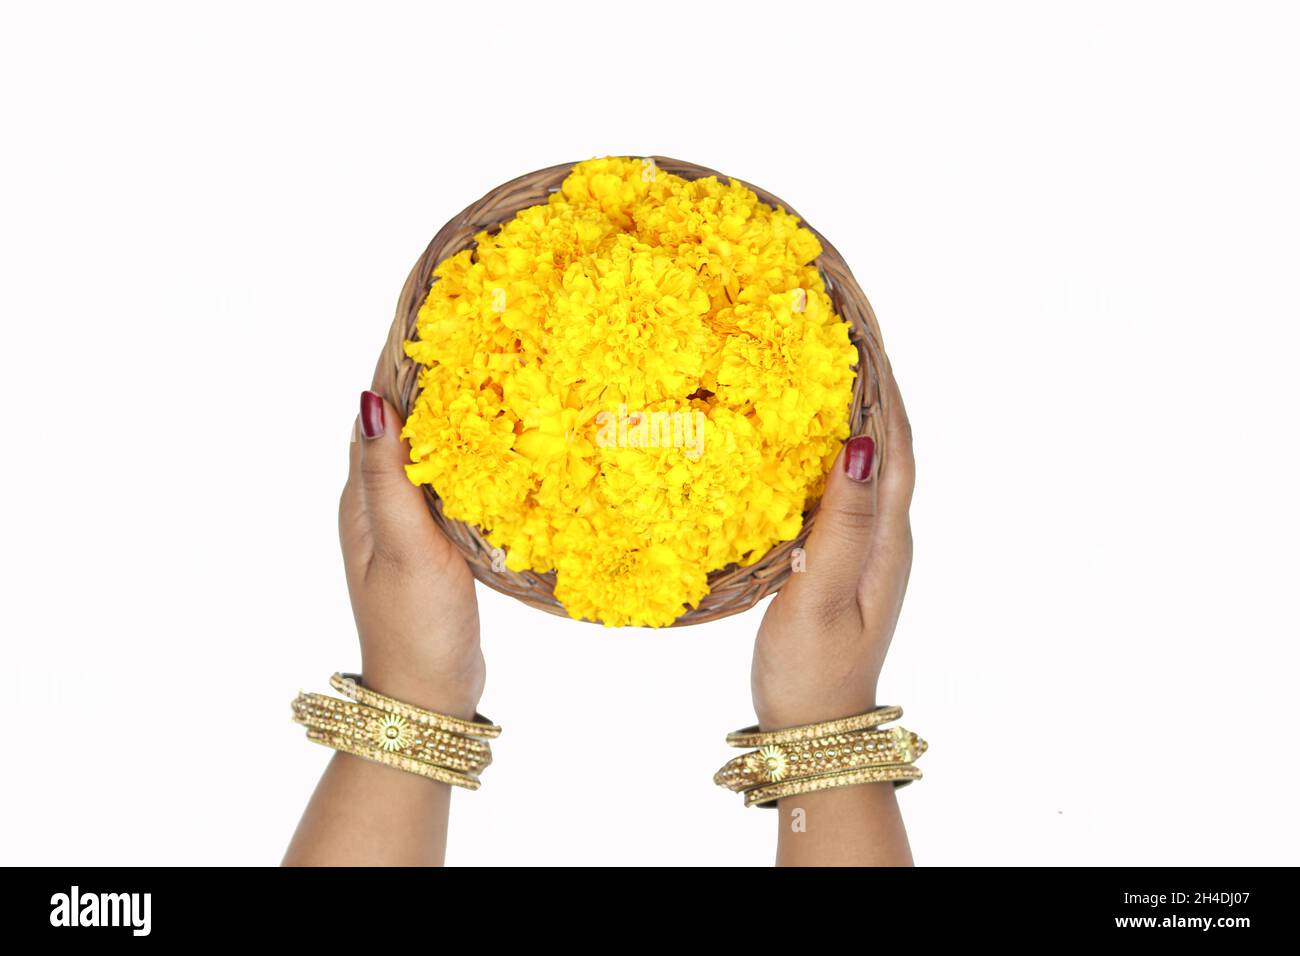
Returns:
(731, 589)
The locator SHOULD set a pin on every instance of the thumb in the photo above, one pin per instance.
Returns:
(838, 546)
(395, 510)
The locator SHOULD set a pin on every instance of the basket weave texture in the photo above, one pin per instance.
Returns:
(731, 589)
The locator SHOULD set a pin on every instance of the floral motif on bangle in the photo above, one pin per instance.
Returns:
(774, 762)
(904, 745)
(392, 733)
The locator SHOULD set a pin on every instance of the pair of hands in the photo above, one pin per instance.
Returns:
(819, 650)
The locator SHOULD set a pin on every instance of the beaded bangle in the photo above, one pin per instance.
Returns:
(753, 737)
(343, 709)
(397, 761)
(386, 731)
(349, 685)
(391, 733)
(767, 796)
(841, 752)
(812, 757)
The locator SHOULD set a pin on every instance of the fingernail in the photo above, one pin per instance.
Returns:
(372, 415)
(858, 454)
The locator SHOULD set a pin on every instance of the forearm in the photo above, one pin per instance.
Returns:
(365, 814)
(848, 826)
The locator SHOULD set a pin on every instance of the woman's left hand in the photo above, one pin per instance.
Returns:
(412, 592)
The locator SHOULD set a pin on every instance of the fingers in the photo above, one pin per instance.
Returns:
(838, 547)
(353, 533)
(898, 475)
(393, 510)
(861, 543)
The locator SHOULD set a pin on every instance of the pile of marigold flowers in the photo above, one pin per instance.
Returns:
(634, 384)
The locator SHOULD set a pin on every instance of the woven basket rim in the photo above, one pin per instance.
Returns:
(732, 589)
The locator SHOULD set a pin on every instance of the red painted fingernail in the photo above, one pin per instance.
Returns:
(372, 415)
(857, 457)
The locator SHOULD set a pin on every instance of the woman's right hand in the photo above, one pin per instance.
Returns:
(824, 637)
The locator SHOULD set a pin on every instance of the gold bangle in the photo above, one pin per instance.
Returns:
(386, 731)
(845, 752)
(349, 685)
(860, 750)
(337, 709)
(392, 733)
(396, 761)
(766, 796)
(753, 737)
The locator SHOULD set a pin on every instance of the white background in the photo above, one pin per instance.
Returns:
(1077, 223)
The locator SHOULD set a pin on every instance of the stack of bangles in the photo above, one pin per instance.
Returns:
(784, 763)
(836, 753)
(369, 725)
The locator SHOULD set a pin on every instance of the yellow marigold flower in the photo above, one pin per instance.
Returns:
(639, 382)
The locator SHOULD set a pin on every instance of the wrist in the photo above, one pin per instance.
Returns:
(814, 709)
(455, 696)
